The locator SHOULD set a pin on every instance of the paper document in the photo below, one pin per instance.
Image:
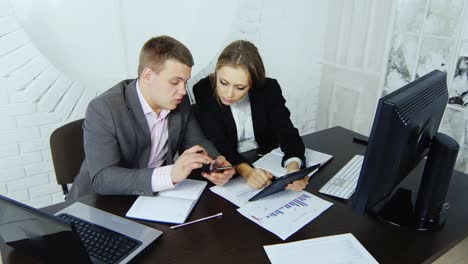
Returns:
(237, 191)
(285, 212)
(170, 206)
(338, 249)
(272, 161)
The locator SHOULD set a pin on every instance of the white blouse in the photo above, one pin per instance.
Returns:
(242, 114)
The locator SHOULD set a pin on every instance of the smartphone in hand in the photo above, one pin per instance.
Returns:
(209, 168)
(222, 168)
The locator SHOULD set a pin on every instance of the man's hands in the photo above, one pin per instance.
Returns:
(220, 178)
(194, 158)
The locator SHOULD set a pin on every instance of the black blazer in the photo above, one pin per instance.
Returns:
(270, 116)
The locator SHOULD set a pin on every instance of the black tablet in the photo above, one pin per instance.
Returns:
(280, 183)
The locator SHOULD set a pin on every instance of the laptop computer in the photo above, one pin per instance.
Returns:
(77, 234)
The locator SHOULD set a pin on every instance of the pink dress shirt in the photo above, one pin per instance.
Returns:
(157, 124)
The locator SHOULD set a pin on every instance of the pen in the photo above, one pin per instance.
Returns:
(198, 220)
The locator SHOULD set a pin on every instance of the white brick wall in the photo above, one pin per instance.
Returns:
(19, 195)
(11, 174)
(18, 57)
(8, 150)
(16, 109)
(21, 160)
(14, 135)
(34, 145)
(34, 180)
(35, 99)
(37, 119)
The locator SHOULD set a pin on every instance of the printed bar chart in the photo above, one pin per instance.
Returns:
(297, 202)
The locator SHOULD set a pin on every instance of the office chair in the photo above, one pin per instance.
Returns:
(66, 145)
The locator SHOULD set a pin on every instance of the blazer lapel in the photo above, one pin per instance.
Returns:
(140, 124)
(229, 123)
(257, 109)
(174, 127)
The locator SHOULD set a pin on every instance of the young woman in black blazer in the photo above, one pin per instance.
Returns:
(244, 114)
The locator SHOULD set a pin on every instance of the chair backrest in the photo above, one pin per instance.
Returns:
(66, 145)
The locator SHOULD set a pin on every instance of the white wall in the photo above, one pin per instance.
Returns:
(55, 56)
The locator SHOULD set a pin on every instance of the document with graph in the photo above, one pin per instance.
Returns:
(237, 191)
(286, 212)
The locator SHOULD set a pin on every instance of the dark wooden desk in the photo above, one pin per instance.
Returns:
(235, 239)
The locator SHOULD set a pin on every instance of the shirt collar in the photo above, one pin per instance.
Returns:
(147, 110)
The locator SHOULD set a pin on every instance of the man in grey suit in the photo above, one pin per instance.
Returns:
(133, 131)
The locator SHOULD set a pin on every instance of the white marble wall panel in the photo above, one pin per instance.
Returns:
(401, 63)
(465, 28)
(455, 124)
(434, 54)
(459, 88)
(410, 15)
(443, 17)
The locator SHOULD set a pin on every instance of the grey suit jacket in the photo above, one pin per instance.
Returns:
(117, 143)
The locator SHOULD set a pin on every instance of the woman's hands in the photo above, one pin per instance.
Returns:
(256, 178)
(259, 178)
(298, 184)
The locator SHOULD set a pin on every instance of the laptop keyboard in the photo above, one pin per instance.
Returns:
(102, 243)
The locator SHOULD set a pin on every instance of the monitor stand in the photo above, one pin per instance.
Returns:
(430, 209)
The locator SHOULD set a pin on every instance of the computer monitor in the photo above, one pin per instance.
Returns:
(404, 131)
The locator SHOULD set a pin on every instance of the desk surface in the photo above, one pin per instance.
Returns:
(235, 239)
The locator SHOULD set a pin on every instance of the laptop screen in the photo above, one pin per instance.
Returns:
(38, 234)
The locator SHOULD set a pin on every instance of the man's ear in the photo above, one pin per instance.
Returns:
(146, 75)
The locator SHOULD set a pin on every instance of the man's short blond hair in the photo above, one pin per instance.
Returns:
(159, 49)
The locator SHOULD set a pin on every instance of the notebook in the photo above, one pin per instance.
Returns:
(170, 206)
(54, 240)
(272, 161)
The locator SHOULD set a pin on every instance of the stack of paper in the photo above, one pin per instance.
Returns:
(332, 249)
(170, 206)
(272, 161)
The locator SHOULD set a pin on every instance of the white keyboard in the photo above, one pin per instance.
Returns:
(343, 184)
